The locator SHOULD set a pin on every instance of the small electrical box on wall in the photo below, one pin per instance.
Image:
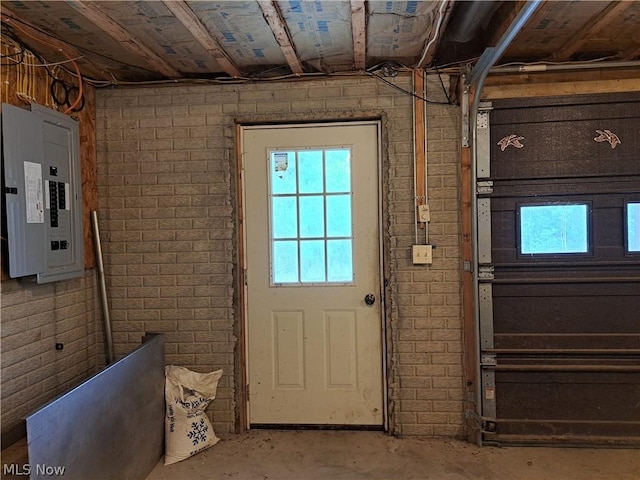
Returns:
(42, 190)
(422, 254)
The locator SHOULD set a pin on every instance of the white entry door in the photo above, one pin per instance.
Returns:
(314, 322)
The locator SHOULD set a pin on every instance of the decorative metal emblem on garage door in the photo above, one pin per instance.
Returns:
(607, 136)
(510, 140)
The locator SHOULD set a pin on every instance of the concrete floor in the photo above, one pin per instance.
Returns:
(323, 455)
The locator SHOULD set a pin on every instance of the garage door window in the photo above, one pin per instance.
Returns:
(633, 227)
(552, 229)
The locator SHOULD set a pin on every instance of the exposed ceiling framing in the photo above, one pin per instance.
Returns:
(272, 15)
(126, 41)
(92, 12)
(192, 23)
(358, 31)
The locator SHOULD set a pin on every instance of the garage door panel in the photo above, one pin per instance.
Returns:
(562, 431)
(606, 220)
(566, 313)
(560, 326)
(584, 396)
(574, 142)
(568, 109)
(567, 341)
(506, 191)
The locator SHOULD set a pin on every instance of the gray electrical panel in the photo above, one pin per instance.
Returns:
(42, 193)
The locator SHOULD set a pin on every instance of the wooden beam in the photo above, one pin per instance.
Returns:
(552, 89)
(272, 15)
(104, 22)
(242, 390)
(470, 339)
(190, 20)
(433, 41)
(359, 32)
(597, 23)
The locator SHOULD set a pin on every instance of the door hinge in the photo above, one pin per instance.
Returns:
(483, 120)
(485, 272)
(488, 360)
(485, 187)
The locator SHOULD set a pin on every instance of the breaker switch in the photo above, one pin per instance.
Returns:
(55, 245)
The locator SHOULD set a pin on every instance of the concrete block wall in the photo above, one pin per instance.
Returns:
(35, 318)
(167, 186)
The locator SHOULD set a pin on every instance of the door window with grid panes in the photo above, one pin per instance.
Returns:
(311, 231)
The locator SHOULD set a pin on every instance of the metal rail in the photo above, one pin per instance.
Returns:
(565, 368)
(563, 351)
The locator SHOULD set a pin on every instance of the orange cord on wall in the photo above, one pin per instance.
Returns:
(75, 65)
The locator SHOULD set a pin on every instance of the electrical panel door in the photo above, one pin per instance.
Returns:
(43, 196)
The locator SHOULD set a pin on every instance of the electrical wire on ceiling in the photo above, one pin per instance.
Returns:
(407, 92)
(443, 4)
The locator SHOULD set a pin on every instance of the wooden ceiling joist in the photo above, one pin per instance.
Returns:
(596, 24)
(272, 15)
(104, 22)
(359, 32)
(190, 20)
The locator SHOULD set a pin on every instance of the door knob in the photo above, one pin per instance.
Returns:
(370, 299)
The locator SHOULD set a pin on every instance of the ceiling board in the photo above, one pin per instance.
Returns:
(218, 39)
(400, 29)
(321, 32)
(242, 31)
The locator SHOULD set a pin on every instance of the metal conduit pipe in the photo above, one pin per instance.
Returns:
(477, 78)
(111, 357)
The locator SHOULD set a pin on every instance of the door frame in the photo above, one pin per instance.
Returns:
(242, 350)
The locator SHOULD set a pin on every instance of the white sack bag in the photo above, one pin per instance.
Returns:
(187, 427)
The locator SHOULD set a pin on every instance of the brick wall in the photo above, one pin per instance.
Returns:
(35, 318)
(166, 179)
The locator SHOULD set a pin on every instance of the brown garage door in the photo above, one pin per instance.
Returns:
(559, 270)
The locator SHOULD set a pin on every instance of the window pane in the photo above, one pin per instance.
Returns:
(338, 170)
(312, 216)
(633, 227)
(340, 261)
(551, 229)
(312, 261)
(284, 217)
(338, 215)
(310, 171)
(285, 261)
(283, 172)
